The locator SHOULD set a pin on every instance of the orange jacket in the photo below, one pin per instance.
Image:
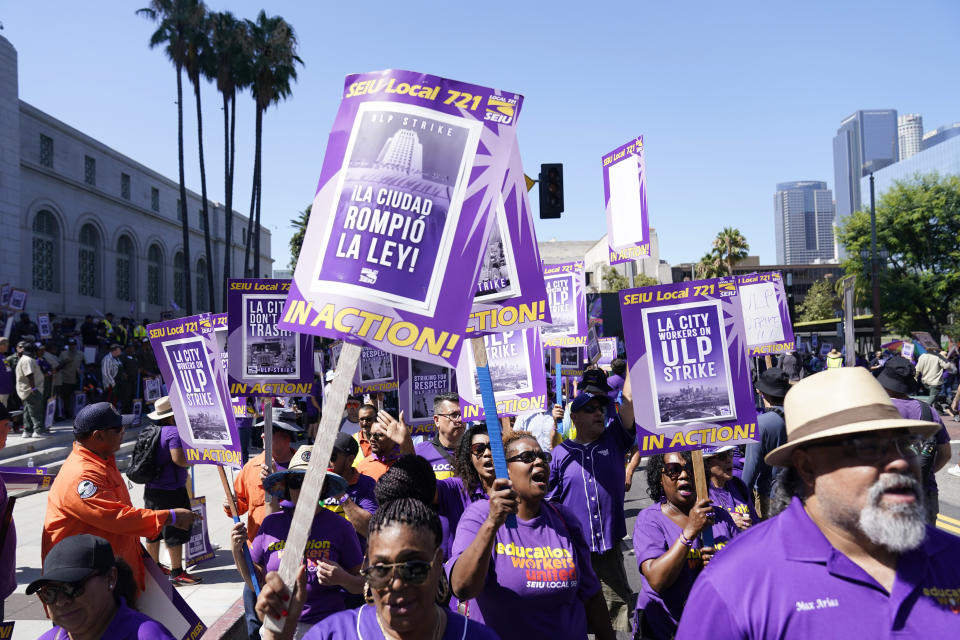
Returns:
(249, 493)
(373, 466)
(90, 496)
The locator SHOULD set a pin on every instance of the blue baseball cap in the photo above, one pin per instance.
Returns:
(715, 451)
(586, 396)
(100, 415)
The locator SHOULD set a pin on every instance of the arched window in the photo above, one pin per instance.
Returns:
(201, 286)
(87, 258)
(46, 234)
(178, 283)
(125, 258)
(155, 275)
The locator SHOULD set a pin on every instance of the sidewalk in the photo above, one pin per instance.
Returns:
(221, 585)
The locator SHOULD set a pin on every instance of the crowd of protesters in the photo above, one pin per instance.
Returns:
(421, 540)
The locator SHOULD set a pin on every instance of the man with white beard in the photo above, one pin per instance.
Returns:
(851, 556)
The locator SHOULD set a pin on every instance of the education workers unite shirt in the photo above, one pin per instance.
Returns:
(172, 476)
(442, 466)
(127, 624)
(331, 538)
(539, 576)
(362, 624)
(653, 533)
(783, 579)
(589, 479)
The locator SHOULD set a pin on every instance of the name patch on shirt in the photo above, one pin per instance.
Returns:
(818, 603)
(86, 489)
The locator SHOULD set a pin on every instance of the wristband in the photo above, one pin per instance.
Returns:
(343, 499)
(685, 542)
(173, 518)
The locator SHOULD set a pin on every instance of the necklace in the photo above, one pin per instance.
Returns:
(439, 626)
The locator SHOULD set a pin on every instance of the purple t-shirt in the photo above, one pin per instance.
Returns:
(442, 468)
(453, 499)
(653, 533)
(8, 554)
(913, 410)
(589, 479)
(733, 497)
(783, 579)
(172, 476)
(540, 574)
(616, 386)
(357, 624)
(127, 624)
(6, 378)
(331, 538)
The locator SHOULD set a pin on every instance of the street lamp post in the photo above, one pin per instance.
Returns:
(874, 269)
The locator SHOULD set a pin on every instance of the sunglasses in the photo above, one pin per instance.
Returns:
(529, 457)
(410, 572)
(48, 593)
(673, 469)
(295, 481)
(480, 448)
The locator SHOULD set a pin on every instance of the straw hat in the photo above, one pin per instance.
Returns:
(161, 409)
(839, 402)
(333, 484)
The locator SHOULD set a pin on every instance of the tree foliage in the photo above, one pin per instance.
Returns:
(613, 280)
(918, 223)
(731, 247)
(296, 240)
(821, 302)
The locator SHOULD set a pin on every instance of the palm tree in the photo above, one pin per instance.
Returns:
(731, 247)
(709, 266)
(199, 61)
(175, 20)
(273, 67)
(231, 71)
(296, 240)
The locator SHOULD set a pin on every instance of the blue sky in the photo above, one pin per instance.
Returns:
(731, 97)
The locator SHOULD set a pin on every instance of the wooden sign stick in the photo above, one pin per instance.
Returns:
(268, 432)
(700, 480)
(302, 522)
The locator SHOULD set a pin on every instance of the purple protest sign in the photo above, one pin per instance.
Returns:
(625, 196)
(766, 314)
(608, 350)
(376, 372)
(5, 290)
(190, 362)
(198, 547)
(511, 293)
(267, 359)
(688, 365)
(18, 299)
(593, 345)
(412, 175)
(420, 383)
(571, 361)
(26, 478)
(568, 306)
(515, 359)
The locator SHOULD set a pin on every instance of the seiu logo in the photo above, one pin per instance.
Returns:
(368, 276)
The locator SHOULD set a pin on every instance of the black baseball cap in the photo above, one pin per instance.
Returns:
(74, 559)
(100, 415)
(346, 444)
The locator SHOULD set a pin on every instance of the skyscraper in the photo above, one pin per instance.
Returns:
(865, 142)
(909, 134)
(402, 152)
(940, 134)
(804, 222)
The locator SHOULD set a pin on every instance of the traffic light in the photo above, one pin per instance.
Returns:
(551, 190)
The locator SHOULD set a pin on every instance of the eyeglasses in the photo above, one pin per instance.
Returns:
(873, 450)
(48, 593)
(673, 469)
(411, 572)
(480, 448)
(529, 457)
(455, 416)
(295, 481)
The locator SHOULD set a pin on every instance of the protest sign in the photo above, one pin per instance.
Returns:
(50, 415)
(515, 359)
(137, 411)
(151, 389)
(907, 350)
(376, 373)
(825, 348)
(926, 340)
(571, 361)
(6, 629)
(766, 315)
(413, 170)
(608, 350)
(5, 290)
(189, 360)
(43, 326)
(625, 196)
(18, 299)
(198, 547)
(161, 602)
(568, 310)
(593, 345)
(26, 478)
(8, 327)
(79, 401)
(688, 365)
(267, 360)
(419, 383)
(510, 293)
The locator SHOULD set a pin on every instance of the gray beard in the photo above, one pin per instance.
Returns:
(900, 527)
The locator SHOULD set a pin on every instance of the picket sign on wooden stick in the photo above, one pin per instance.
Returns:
(236, 518)
(268, 432)
(700, 480)
(309, 498)
(490, 414)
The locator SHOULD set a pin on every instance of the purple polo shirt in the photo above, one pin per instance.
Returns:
(790, 582)
(331, 538)
(913, 410)
(733, 497)
(539, 576)
(356, 624)
(442, 468)
(589, 479)
(127, 624)
(172, 476)
(653, 533)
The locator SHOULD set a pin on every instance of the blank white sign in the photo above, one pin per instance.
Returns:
(626, 221)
